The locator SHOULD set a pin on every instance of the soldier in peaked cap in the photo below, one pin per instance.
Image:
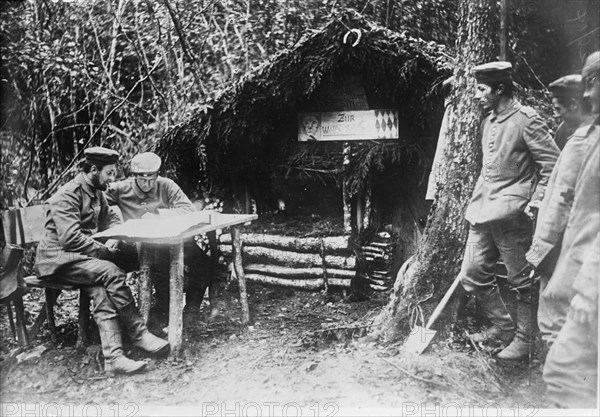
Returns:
(144, 195)
(556, 207)
(515, 143)
(68, 254)
(569, 107)
(571, 295)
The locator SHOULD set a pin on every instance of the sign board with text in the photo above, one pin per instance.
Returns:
(348, 125)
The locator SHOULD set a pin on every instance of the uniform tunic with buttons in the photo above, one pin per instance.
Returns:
(571, 368)
(516, 145)
(165, 197)
(581, 229)
(73, 215)
(518, 157)
(552, 221)
(134, 203)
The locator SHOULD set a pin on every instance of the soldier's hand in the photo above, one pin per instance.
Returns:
(532, 208)
(582, 310)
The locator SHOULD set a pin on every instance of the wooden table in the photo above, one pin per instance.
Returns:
(173, 232)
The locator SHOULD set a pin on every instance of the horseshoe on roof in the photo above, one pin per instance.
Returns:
(358, 34)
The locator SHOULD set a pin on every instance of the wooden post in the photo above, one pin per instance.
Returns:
(346, 194)
(359, 210)
(176, 299)
(21, 330)
(145, 281)
(50, 298)
(239, 270)
(367, 211)
(84, 320)
(324, 265)
(214, 264)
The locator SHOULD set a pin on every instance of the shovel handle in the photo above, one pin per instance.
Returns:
(440, 307)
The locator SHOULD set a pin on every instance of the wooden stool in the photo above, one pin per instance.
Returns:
(52, 290)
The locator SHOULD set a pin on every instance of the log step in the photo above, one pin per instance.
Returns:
(338, 244)
(293, 272)
(287, 257)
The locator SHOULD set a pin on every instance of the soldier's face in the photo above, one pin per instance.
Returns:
(146, 183)
(592, 91)
(487, 96)
(569, 114)
(101, 178)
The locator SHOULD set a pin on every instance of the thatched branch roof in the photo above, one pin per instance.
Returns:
(250, 127)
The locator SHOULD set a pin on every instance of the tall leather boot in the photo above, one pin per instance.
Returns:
(140, 336)
(115, 362)
(526, 329)
(503, 327)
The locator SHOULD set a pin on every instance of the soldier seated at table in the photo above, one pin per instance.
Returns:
(68, 254)
(146, 195)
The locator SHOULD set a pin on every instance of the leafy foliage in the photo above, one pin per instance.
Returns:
(123, 72)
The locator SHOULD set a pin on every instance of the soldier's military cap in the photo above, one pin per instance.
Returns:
(146, 163)
(569, 86)
(591, 66)
(100, 155)
(493, 72)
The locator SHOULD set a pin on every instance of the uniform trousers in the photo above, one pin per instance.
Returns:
(508, 239)
(571, 368)
(102, 281)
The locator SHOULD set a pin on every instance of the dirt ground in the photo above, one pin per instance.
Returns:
(305, 354)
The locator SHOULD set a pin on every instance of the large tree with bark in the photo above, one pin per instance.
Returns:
(434, 266)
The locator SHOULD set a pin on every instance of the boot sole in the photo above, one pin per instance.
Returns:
(513, 360)
(112, 374)
(162, 352)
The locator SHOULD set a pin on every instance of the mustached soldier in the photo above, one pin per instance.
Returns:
(68, 254)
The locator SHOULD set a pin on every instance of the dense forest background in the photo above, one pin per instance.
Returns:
(121, 73)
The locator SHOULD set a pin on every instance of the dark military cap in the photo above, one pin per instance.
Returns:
(569, 86)
(147, 163)
(101, 156)
(493, 72)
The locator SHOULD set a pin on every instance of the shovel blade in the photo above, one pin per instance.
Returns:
(418, 340)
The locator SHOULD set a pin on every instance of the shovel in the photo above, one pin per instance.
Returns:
(421, 337)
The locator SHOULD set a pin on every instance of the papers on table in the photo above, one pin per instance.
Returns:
(159, 227)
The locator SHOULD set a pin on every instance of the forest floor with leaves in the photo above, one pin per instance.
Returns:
(305, 354)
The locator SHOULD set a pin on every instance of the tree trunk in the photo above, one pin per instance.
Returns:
(440, 251)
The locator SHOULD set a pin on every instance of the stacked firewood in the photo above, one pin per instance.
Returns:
(379, 255)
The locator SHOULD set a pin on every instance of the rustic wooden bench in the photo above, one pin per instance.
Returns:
(25, 226)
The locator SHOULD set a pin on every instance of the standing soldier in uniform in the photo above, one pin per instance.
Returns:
(558, 201)
(148, 195)
(567, 101)
(515, 144)
(571, 368)
(68, 254)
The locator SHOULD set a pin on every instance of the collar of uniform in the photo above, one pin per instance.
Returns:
(142, 195)
(86, 184)
(511, 109)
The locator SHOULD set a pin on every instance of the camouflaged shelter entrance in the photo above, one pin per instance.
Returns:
(245, 141)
